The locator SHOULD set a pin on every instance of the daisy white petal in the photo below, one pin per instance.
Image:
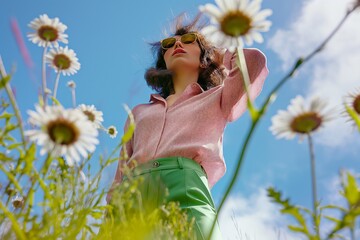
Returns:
(211, 10)
(257, 37)
(253, 7)
(260, 16)
(262, 26)
(232, 4)
(242, 4)
(221, 4)
(248, 40)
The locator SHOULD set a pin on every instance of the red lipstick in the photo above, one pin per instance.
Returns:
(178, 50)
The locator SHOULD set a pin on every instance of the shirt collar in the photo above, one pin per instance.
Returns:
(191, 89)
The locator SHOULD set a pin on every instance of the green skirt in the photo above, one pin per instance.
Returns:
(181, 180)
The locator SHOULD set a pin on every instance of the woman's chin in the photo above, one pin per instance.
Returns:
(182, 64)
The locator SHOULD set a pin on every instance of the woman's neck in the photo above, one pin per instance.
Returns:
(182, 80)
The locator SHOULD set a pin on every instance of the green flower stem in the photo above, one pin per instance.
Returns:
(56, 83)
(13, 103)
(44, 75)
(73, 97)
(14, 224)
(269, 98)
(313, 184)
(241, 62)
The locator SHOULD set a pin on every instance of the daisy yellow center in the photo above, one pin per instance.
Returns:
(48, 33)
(111, 131)
(306, 123)
(356, 104)
(235, 24)
(63, 132)
(90, 115)
(61, 61)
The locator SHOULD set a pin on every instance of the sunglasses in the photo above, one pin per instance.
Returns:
(187, 38)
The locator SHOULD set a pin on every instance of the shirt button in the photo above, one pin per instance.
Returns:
(156, 164)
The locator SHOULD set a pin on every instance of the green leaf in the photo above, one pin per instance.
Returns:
(97, 215)
(287, 207)
(6, 115)
(297, 229)
(353, 115)
(29, 158)
(333, 207)
(14, 145)
(9, 138)
(333, 219)
(11, 178)
(338, 236)
(4, 81)
(130, 130)
(276, 197)
(90, 230)
(351, 190)
(293, 211)
(10, 127)
(55, 101)
(5, 158)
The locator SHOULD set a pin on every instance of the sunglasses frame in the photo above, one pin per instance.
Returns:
(181, 37)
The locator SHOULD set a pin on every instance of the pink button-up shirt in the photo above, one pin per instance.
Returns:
(193, 125)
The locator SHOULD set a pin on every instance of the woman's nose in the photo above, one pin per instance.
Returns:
(178, 43)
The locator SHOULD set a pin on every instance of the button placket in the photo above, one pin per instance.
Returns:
(156, 164)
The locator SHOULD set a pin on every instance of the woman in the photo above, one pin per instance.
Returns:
(178, 136)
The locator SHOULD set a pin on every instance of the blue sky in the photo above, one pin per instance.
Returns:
(110, 39)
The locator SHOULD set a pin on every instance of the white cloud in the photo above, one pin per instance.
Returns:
(335, 71)
(253, 218)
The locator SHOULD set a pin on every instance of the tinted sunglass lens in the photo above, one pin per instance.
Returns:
(188, 38)
(168, 43)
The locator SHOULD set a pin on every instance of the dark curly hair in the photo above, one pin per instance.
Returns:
(211, 74)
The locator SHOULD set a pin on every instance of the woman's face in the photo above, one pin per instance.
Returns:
(183, 55)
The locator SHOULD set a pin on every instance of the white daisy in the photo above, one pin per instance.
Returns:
(63, 60)
(235, 21)
(92, 114)
(17, 202)
(49, 31)
(63, 132)
(112, 131)
(299, 118)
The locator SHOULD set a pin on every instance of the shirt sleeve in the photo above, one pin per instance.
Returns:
(125, 154)
(234, 99)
